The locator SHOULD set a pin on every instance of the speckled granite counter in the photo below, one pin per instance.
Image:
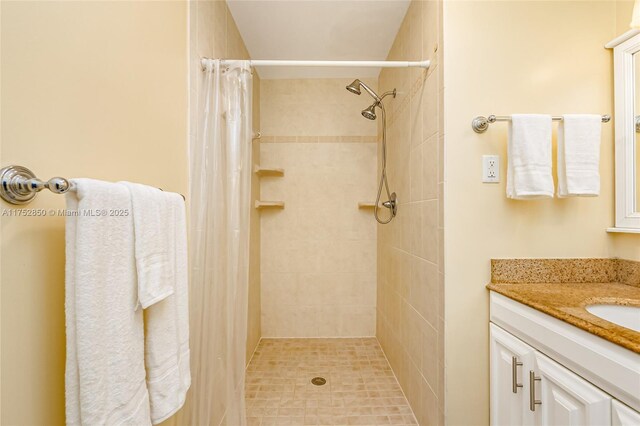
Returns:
(565, 271)
(567, 289)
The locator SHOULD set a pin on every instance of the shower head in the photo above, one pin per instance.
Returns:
(354, 87)
(370, 112)
(357, 85)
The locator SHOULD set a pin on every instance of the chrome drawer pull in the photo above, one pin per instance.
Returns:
(514, 374)
(532, 391)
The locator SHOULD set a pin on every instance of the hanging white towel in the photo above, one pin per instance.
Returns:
(104, 374)
(579, 155)
(529, 157)
(161, 235)
(155, 262)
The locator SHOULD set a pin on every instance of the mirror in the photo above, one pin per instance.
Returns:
(636, 123)
(626, 65)
(636, 128)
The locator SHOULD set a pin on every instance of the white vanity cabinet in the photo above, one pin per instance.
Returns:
(528, 387)
(566, 398)
(621, 415)
(511, 360)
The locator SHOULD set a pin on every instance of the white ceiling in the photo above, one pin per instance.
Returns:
(318, 30)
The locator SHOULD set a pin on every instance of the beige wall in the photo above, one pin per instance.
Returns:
(319, 253)
(504, 58)
(623, 10)
(410, 248)
(89, 89)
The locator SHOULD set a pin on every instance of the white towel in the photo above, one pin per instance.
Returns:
(104, 374)
(154, 261)
(161, 255)
(529, 157)
(579, 155)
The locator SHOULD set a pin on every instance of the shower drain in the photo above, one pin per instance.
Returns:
(318, 381)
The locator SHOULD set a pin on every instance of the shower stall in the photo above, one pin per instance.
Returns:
(333, 312)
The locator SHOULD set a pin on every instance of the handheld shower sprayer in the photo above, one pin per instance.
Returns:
(370, 111)
(370, 114)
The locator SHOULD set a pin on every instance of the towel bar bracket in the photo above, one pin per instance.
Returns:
(20, 185)
(480, 124)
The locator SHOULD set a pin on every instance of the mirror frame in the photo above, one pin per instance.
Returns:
(627, 214)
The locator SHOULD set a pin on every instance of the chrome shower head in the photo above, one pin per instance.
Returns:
(357, 85)
(354, 87)
(370, 112)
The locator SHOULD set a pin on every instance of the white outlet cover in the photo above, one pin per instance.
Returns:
(490, 168)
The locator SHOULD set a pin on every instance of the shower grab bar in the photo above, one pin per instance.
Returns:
(352, 64)
(19, 185)
(480, 124)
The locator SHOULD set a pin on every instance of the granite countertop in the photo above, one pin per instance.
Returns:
(567, 301)
(563, 288)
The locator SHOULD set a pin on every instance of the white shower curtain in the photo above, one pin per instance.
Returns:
(219, 246)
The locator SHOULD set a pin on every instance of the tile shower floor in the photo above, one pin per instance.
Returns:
(360, 388)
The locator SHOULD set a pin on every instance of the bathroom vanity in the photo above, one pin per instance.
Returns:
(554, 360)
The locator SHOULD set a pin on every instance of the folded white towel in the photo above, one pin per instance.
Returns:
(161, 255)
(154, 261)
(579, 155)
(105, 373)
(529, 157)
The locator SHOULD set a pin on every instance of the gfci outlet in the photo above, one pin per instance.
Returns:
(490, 168)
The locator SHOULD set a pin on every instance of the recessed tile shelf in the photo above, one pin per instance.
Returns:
(266, 171)
(366, 205)
(269, 204)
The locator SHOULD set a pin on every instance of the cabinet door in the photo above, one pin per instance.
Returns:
(510, 359)
(567, 399)
(621, 415)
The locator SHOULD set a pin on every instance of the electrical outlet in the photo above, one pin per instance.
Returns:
(490, 168)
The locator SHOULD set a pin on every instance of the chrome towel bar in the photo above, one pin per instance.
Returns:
(19, 185)
(480, 124)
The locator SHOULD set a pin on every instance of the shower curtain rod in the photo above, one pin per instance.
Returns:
(296, 63)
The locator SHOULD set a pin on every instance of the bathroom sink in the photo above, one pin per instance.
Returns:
(625, 316)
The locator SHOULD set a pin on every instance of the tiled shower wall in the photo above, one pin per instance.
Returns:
(254, 317)
(410, 325)
(318, 269)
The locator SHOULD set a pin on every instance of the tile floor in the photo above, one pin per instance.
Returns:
(361, 388)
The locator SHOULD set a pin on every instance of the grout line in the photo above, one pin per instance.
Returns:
(371, 355)
(398, 382)
(252, 355)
